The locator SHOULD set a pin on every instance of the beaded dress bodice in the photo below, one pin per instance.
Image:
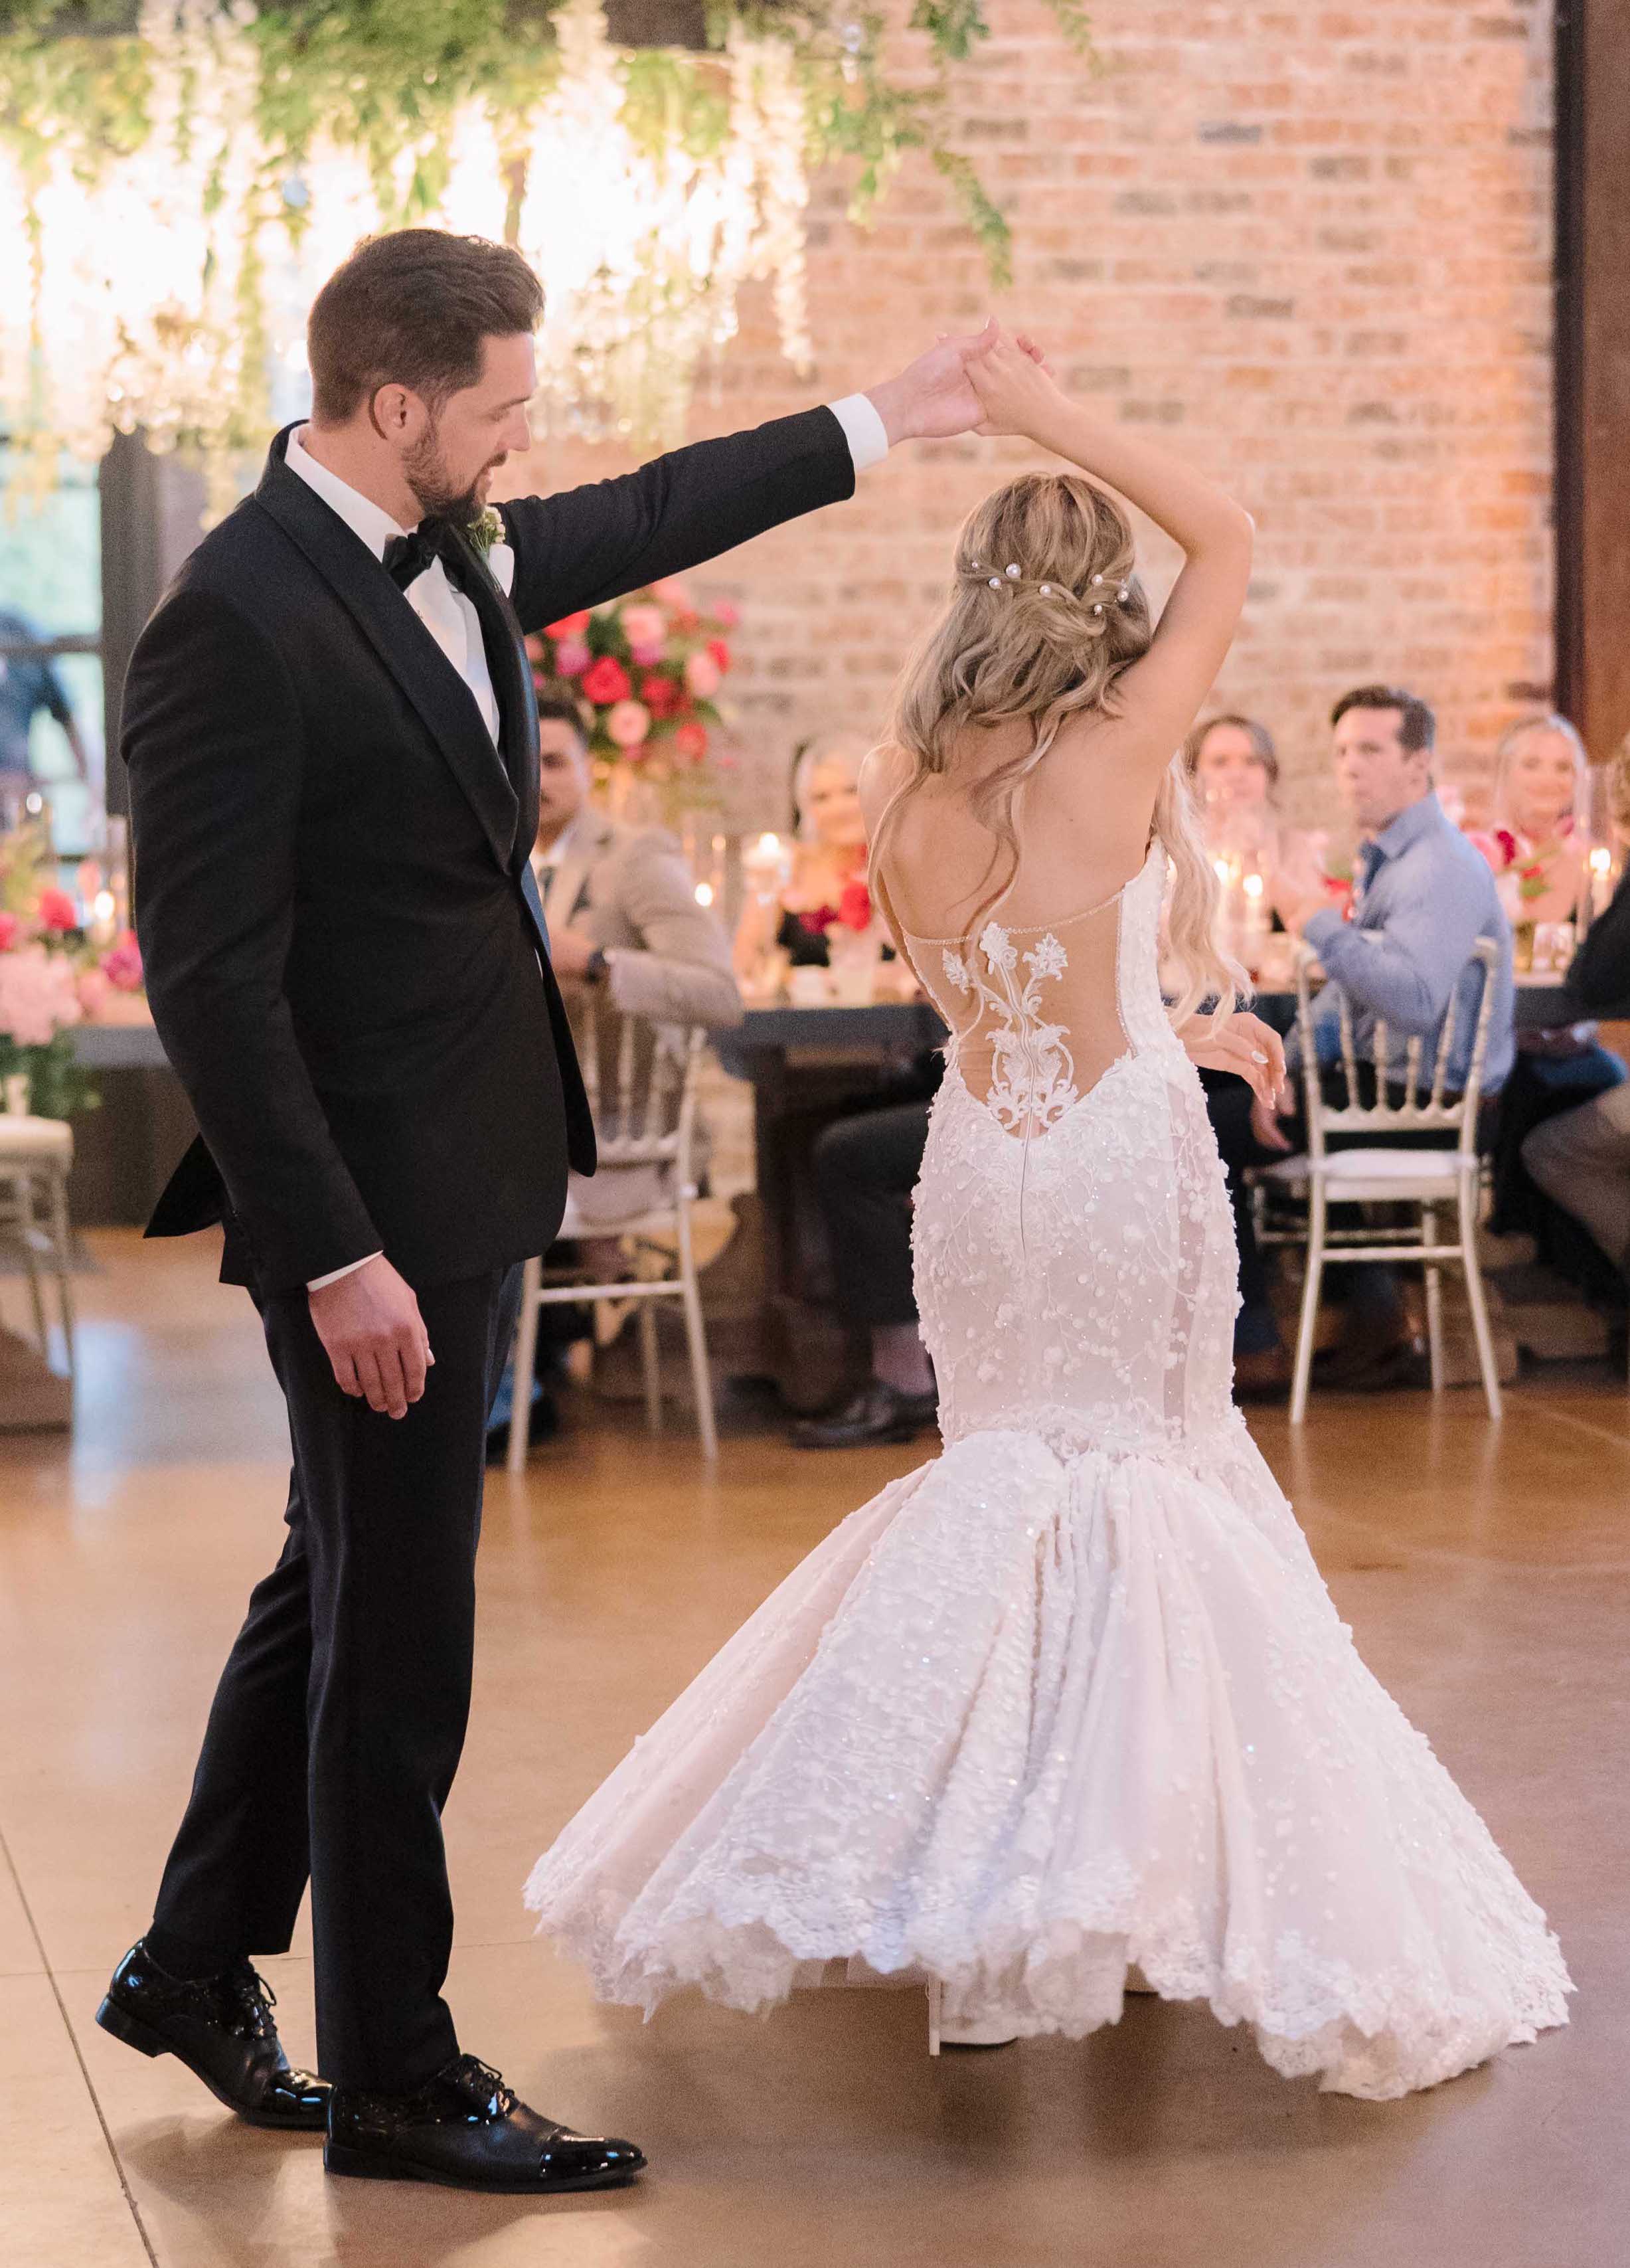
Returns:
(1075, 1253)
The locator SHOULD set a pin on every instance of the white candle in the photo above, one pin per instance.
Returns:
(1601, 879)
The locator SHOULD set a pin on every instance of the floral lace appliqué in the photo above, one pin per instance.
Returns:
(1032, 1080)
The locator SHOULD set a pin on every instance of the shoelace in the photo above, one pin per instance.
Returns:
(483, 2085)
(255, 1997)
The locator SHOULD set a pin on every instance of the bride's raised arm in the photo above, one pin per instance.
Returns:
(1157, 696)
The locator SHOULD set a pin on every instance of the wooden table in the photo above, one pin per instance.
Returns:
(125, 1152)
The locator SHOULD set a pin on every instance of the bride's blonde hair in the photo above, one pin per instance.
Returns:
(1045, 612)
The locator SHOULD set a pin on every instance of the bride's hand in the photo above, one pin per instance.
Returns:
(1251, 1049)
(1017, 391)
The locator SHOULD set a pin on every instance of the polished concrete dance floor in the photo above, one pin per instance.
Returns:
(1484, 1571)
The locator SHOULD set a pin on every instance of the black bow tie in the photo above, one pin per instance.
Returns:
(408, 557)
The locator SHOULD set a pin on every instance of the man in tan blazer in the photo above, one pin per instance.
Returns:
(620, 900)
(624, 924)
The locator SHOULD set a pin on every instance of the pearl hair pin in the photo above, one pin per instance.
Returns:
(1013, 574)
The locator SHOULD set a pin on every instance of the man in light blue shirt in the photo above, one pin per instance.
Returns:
(1423, 897)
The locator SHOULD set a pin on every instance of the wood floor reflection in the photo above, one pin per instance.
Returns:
(1485, 1574)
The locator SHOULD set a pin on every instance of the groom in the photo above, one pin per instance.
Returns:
(333, 753)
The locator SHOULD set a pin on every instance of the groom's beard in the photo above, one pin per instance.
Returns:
(436, 496)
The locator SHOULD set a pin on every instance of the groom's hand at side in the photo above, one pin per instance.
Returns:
(374, 1335)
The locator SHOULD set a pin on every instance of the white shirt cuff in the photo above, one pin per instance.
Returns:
(315, 1283)
(863, 430)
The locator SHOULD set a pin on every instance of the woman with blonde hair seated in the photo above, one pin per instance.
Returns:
(1535, 840)
(1580, 1157)
(1537, 845)
(827, 883)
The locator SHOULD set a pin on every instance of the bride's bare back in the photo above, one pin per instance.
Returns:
(1050, 985)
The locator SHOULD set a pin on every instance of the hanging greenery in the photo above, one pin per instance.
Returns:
(176, 176)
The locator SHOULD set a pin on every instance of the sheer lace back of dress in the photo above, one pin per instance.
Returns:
(1039, 1012)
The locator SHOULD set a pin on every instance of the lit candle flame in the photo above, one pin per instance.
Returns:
(704, 893)
(1253, 885)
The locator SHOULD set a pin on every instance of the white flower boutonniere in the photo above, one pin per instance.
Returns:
(487, 536)
(488, 541)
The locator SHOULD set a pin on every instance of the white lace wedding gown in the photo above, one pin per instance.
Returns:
(1072, 1696)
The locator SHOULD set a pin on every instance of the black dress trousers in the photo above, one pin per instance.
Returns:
(337, 1725)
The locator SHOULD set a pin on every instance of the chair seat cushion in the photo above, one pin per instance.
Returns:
(35, 1141)
(617, 1200)
(1392, 1168)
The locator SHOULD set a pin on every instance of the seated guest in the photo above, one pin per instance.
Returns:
(1581, 1158)
(865, 1167)
(1422, 898)
(1234, 767)
(1535, 841)
(625, 927)
(1537, 848)
(620, 900)
(828, 859)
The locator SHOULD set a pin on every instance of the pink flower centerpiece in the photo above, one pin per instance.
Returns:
(650, 666)
(52, 976)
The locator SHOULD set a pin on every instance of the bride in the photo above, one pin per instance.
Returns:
(1070, 1702)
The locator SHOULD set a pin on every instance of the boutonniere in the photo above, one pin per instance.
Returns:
(487, 539)
(485, 530)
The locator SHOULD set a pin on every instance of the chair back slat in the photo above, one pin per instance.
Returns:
(640, 1080)
(1349, 1046)
(1416, 1105)
(1440, 1070)
(1412, 1075)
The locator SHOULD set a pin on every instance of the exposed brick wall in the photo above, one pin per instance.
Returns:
(1308, 246)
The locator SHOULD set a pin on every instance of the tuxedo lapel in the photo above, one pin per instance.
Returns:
(439, 693)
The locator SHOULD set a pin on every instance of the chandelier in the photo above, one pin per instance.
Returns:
(163, 282)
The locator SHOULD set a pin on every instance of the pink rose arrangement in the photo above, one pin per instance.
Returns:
(650, 666)
(53, 975)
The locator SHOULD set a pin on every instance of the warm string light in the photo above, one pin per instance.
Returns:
(166, 288)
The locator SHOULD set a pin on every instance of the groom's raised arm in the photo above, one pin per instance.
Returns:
(213, 736)
(586, 545)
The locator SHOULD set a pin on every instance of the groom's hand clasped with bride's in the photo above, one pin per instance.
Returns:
(936, 397)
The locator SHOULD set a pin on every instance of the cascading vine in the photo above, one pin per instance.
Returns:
(171, 195)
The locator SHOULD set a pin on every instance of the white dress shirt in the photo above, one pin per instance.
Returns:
(452, 620)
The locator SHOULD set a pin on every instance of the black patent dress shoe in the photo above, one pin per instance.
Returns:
(878, 1412)
(221, 2028)
(465, 2129)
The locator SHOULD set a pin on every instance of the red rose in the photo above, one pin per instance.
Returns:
(568, 626)
(605, 681)
(691, 740)
(854, 904)
(662, 696)
(57, 912)
(8, 927)
(721, 653)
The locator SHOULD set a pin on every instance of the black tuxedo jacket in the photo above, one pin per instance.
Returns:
(344, 951)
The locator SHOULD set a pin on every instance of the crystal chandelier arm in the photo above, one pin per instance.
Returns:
(214, 739)
(587, 545)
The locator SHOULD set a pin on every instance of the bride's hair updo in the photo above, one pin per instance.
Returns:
(1045, 612)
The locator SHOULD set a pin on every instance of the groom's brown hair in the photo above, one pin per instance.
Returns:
(412, 309)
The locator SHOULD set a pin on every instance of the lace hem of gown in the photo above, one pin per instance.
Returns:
(1036, 1713)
